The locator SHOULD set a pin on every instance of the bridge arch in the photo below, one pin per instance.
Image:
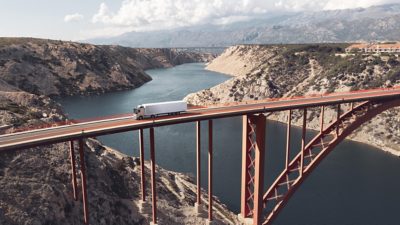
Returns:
(308, 158)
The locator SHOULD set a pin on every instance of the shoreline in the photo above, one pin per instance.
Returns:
(355, 138)
(385, 150)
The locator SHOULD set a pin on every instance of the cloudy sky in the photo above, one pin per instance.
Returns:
(83, 19)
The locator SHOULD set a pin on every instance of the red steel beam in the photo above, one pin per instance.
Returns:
(198, 161)
(83, 180)
(142, 167)
(338, 120)
(153, 177)
(210, 169)
(73, 169)
(246, 160)
(357, 121)
(321, 119)
(260, 122)
(288, 135)
(303, 140)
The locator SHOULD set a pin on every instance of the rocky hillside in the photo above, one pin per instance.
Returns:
(36, 189)
(271, 71)
(19, 108)
(36, 183)
(54, 68)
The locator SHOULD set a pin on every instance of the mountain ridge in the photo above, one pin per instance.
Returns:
(349, 25)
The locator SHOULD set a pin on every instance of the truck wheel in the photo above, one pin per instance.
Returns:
(140, 117)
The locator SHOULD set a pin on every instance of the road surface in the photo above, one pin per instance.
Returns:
(116, 125)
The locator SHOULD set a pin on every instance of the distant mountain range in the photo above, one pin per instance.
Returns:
(350, 25)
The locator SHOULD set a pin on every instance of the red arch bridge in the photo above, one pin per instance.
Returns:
(352, 110)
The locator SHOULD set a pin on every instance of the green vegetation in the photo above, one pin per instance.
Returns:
(291, 66)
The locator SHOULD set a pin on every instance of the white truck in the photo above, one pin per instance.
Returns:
(161, 108)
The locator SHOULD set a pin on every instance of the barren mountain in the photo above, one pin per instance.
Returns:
(53, 68)
(380, 22)
(36, 183)
(271, 71)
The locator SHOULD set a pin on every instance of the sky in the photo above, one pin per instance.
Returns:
(86, 19)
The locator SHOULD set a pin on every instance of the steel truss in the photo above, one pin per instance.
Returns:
(316, 150)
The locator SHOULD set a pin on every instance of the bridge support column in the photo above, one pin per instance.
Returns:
(321, 119)
(153, 177)
(197, 205)
(338, 120)
(210, 170)
(303, 141)
(198, 163)
(73, 169)
(83, 180)
(142, 167)
(253, 144)
(288, 136)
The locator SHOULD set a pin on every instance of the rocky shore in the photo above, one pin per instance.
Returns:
(273, 71)
(36, 183)
(56, 68)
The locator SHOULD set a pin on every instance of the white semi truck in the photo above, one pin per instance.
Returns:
(161, 108)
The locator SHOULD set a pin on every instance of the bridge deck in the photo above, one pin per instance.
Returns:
(117, 125)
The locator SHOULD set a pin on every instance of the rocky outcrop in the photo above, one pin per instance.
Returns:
(19, 108)
(54, 68)
(36, 183)
(263, 71)
(36, 189)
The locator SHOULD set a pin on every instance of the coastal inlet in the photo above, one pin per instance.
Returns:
(354, 183)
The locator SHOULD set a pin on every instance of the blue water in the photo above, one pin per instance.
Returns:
(356, 184)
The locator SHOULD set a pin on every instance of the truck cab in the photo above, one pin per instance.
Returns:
(139, 111)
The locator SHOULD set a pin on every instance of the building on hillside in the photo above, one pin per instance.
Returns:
(374, 48)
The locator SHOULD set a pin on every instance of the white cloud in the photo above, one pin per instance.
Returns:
(157, 14)
(73, 17)
(141, 15)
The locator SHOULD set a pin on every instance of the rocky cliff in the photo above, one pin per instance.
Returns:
(271, 71)
(53, 68)
(36, 183)
(36, 189)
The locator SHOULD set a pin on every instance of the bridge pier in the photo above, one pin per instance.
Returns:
(153, 177)
(210, 171)
(288, 137)
(73, 169)
(303, 141)
(321, 119)
(338, 120)
(83, 180)
(144, 206)
(253, 154)
(142, 167)
(198, 162)
(198, 207)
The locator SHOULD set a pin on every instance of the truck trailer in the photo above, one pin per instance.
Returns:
(153, 110)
